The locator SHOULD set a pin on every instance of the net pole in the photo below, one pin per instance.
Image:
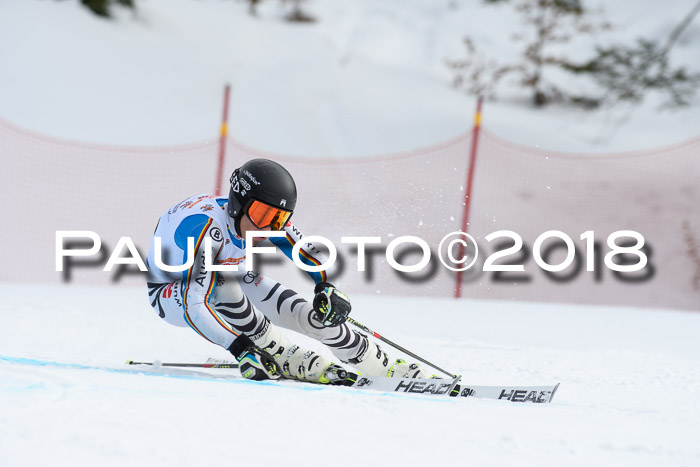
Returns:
(468, 191)
(223, 132)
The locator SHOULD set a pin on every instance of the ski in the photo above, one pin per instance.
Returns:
(433, 387)
(452, 388)
(210, 363)
(534, 394)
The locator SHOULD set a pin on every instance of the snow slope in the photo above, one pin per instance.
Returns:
(368, 78)
(628, 380)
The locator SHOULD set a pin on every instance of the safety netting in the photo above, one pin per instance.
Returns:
(50, 185)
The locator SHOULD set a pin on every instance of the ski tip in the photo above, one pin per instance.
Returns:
(129, 362)
(554, 392)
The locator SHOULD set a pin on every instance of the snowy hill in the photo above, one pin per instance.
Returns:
(368, 78)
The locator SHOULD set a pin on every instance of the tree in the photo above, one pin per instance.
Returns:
(629, 72)
(297, 14)
(102, 7)
(547, 23)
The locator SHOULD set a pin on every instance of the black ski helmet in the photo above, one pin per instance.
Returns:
(263, 180)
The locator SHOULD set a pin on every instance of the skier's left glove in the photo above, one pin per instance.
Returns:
(332, 306)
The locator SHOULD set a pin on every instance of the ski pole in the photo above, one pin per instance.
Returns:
(187, 365)
(398, 347)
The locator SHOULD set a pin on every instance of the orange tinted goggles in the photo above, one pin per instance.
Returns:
(264, 215)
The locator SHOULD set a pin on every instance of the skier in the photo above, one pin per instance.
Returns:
(244, 311)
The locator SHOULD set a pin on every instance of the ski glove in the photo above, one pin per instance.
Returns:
(332, 306)
(254, 362)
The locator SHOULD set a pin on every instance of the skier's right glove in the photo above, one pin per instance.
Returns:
(254, 362)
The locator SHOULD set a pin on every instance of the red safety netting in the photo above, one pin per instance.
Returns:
(50, 184)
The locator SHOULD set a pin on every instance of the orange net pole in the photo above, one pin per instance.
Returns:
(468, 193)
(222, 141)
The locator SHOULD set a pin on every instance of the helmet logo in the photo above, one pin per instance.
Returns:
(251, 177)
(283, 203)
(236, 187)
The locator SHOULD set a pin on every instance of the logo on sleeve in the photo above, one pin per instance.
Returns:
(216, 234)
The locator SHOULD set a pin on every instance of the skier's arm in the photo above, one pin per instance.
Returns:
(198, 283)
(308, 253)
(332, 307)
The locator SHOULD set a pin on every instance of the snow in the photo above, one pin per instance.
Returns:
(367, 78)
(627, 394)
